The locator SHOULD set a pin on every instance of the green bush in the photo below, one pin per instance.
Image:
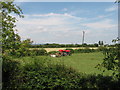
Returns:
(40, 74)
(52, 52)
(37, 52)
(71, 50)
(9, 69)
(47, 78)
(84, 50)
(111, 60)
(101, 48)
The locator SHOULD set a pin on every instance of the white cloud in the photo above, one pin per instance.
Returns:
(62, 28)
(65, 15)
(102, 16)
(103, 25)
(44, 23)
(47, 20)
(111, 9)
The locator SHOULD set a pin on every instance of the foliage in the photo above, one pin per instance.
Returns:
(52, 52)
(10, 39)
(9, 68)
(41, 74)
(27, 43)
(112, 60)
(86, 50)
(38, 52)
(22, 50)
(62, 45)
(71, 50)
(100, 43)
(102, 48)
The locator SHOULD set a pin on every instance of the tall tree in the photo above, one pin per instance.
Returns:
(10, 39)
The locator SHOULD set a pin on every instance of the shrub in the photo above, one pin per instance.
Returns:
(37, 75)
(53, 52)
(9, 68)
(37, 52)
(71, 50)
(40, 74)
(111, 60)
(101, 48)
(84, 50)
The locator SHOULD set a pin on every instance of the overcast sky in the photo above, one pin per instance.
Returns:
(64, 22)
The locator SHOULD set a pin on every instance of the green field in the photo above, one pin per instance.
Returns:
(81, 62)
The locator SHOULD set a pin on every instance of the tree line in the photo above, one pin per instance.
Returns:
(54, 45)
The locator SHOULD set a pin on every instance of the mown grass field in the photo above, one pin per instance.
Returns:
(81, 62)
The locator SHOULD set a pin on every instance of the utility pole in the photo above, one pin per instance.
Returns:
(83, 37)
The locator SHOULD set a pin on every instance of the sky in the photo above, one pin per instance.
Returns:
(64, 22)
(65, 0)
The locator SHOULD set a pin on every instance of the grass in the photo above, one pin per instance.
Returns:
(81, 62)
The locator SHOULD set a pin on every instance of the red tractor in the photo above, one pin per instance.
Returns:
(64, 52)
(61, 53)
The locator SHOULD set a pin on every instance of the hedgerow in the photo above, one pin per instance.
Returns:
(41, 74)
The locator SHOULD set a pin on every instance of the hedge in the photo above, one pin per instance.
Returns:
(37, 74)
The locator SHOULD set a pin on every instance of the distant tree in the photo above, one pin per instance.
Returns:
(27, 42)
(100, 42)
(96, 45)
